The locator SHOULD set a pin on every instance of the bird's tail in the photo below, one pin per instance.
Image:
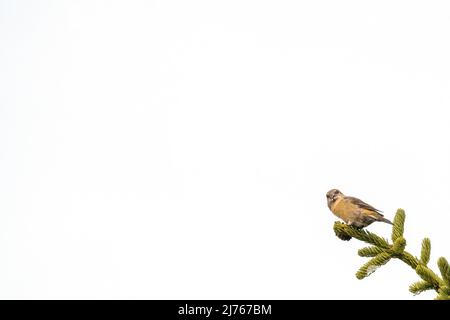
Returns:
(383, 219)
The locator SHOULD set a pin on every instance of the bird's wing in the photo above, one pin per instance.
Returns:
(363, 205)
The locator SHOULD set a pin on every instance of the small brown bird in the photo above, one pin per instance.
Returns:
(353, 211)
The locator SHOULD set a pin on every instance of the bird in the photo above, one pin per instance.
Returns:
(353, 211)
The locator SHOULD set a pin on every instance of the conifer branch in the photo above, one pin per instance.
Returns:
(373, 264)
(369, 251)
(398, 224)
(428, 275)
(444, 268)
(399, 246)
(381, 251)
(420, 286)
(426, 251)
(341, 229)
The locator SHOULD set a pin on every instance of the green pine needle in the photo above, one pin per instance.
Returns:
(446, 290)
(428, 275)
(369, 251)
(426, 251)
(399, 245)
(420, 286)
(343, 229)
(373, 264)
(398, 224)
(444, 268)
(442, 297)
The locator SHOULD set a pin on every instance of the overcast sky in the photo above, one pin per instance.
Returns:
(183, 149)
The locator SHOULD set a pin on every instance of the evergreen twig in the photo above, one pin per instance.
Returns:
(381, 251)
(420, 286)
(369, 251)
(426, 251)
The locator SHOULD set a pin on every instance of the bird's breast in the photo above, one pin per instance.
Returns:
(343, 209)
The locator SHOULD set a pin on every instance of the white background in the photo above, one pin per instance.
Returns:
(183, 149)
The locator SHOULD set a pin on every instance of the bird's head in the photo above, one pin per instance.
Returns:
(332, 196)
